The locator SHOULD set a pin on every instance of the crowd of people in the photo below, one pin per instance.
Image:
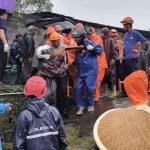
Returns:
(82, 59)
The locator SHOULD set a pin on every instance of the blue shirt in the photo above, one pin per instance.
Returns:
(3, 26)
(130, 41)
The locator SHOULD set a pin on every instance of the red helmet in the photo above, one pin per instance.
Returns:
(35, 86)
(127, 20)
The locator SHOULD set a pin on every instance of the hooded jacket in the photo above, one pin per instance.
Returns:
(39, 127)
(136, 86)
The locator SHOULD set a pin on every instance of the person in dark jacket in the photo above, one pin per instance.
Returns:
(87, 69)
(39, 126)
(4, 47)
(16, 57)
(28, 51)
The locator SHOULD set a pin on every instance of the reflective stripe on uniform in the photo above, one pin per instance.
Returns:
(41, 135)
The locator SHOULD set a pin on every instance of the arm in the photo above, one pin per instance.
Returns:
(2, 36)
(19, 138)
(91, 46)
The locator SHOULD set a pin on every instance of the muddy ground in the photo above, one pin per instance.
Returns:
(78, 128)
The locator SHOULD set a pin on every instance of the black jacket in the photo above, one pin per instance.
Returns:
(39, 127)
(15, 52)
(28, 46)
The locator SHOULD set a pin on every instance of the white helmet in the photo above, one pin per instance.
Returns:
(44, 52)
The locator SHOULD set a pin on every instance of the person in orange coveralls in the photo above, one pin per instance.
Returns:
(102, 63)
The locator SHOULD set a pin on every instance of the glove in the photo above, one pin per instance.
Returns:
(89, 47)
(6, 48)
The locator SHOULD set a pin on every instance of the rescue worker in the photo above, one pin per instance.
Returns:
(28, 51)
(4, 47)
(111, 57)
(130, 47)
(39, 126)
(16, 57)
(119, 44)
(87, 69)
(54, 72)
(102, 64)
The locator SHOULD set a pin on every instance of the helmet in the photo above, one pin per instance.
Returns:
(127, 20)
(50, 30)
(113, 32)
(79, 33)
(35, 86)
(55, 36)
(58, 28)
(79, 26)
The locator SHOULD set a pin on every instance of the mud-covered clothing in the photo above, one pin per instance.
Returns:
(54, 72)
(39, 127)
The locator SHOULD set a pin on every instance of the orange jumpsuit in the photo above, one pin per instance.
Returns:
(102, 65)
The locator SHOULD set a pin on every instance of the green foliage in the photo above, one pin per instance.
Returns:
(32, 6)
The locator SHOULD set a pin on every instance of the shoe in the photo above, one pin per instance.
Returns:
(91, 108)
(80, 111)
(121, 95)
(112, 95)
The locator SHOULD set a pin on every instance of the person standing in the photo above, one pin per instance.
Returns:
(4, 47)
(111, 57)
(28, 51)
(102, 63)
(130, 47)
(16, 58)
(87, 69)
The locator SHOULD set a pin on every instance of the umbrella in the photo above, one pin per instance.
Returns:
(9, 5)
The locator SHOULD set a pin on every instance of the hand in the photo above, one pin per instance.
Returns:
(9, 108)
(120, 57)
(6, 48)
(66, 66)
(89, 47)
(112, 62)
(134, 50)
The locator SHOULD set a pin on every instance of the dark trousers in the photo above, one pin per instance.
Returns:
(129, 66)
(3, 62)
(57, 93)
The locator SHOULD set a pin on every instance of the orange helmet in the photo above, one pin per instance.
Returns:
(113, 32)
(50, 30)
(35, 86)
(127, 20)
(55, 36)
(79, 26)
